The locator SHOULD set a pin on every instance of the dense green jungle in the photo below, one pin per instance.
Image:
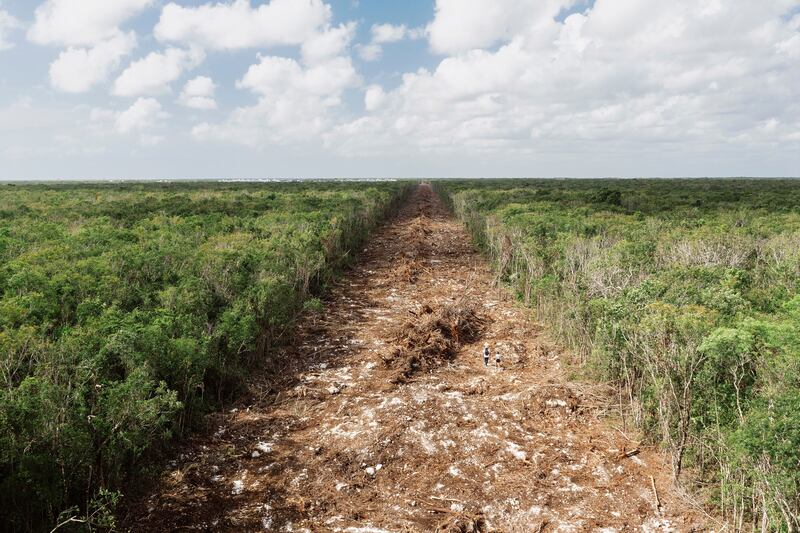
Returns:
(129, 310)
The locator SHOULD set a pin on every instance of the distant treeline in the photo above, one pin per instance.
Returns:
(127, 310)
(686, 294)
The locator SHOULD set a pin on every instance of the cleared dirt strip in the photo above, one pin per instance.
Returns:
(382, 417)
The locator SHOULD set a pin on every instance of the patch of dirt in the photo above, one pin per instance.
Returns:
(551, 399)
(381, 417)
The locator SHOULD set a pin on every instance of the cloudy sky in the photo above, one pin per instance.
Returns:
(366, 88)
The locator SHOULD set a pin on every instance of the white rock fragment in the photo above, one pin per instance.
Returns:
(516, 451)
(427, 444)
(655, 525)
(238, 487)
(264, 447)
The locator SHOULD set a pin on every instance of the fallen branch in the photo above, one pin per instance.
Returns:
(624, 435)
(628, 455)
(444, 499)
(655, 493)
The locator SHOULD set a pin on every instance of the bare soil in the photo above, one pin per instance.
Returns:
(381, 417)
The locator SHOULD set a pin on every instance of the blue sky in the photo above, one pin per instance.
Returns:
(93, 89)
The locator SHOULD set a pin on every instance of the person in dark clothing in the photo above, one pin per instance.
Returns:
(486, 355)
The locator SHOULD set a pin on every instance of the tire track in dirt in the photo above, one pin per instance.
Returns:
(329, 440)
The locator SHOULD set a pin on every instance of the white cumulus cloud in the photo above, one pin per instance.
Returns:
(297, 102)
(7, 25)
(144, 120)
(385, 34)
(370, 51)
(76, 70)
(388, 33)
(274, 76)
(298, 99)
(462, 25)
(90, 29)
(329, 43)
(629, 77)
(82, 22)
(142, 115)
(152, 75)
(198, 93)
(239, 25)
(374, 97)
(554, 87)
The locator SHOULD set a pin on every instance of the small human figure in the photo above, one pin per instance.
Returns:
(497, 358)
(486, 355)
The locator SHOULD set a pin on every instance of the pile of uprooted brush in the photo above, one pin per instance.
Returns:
(433, 335)
(410, 262)
(463, 523)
